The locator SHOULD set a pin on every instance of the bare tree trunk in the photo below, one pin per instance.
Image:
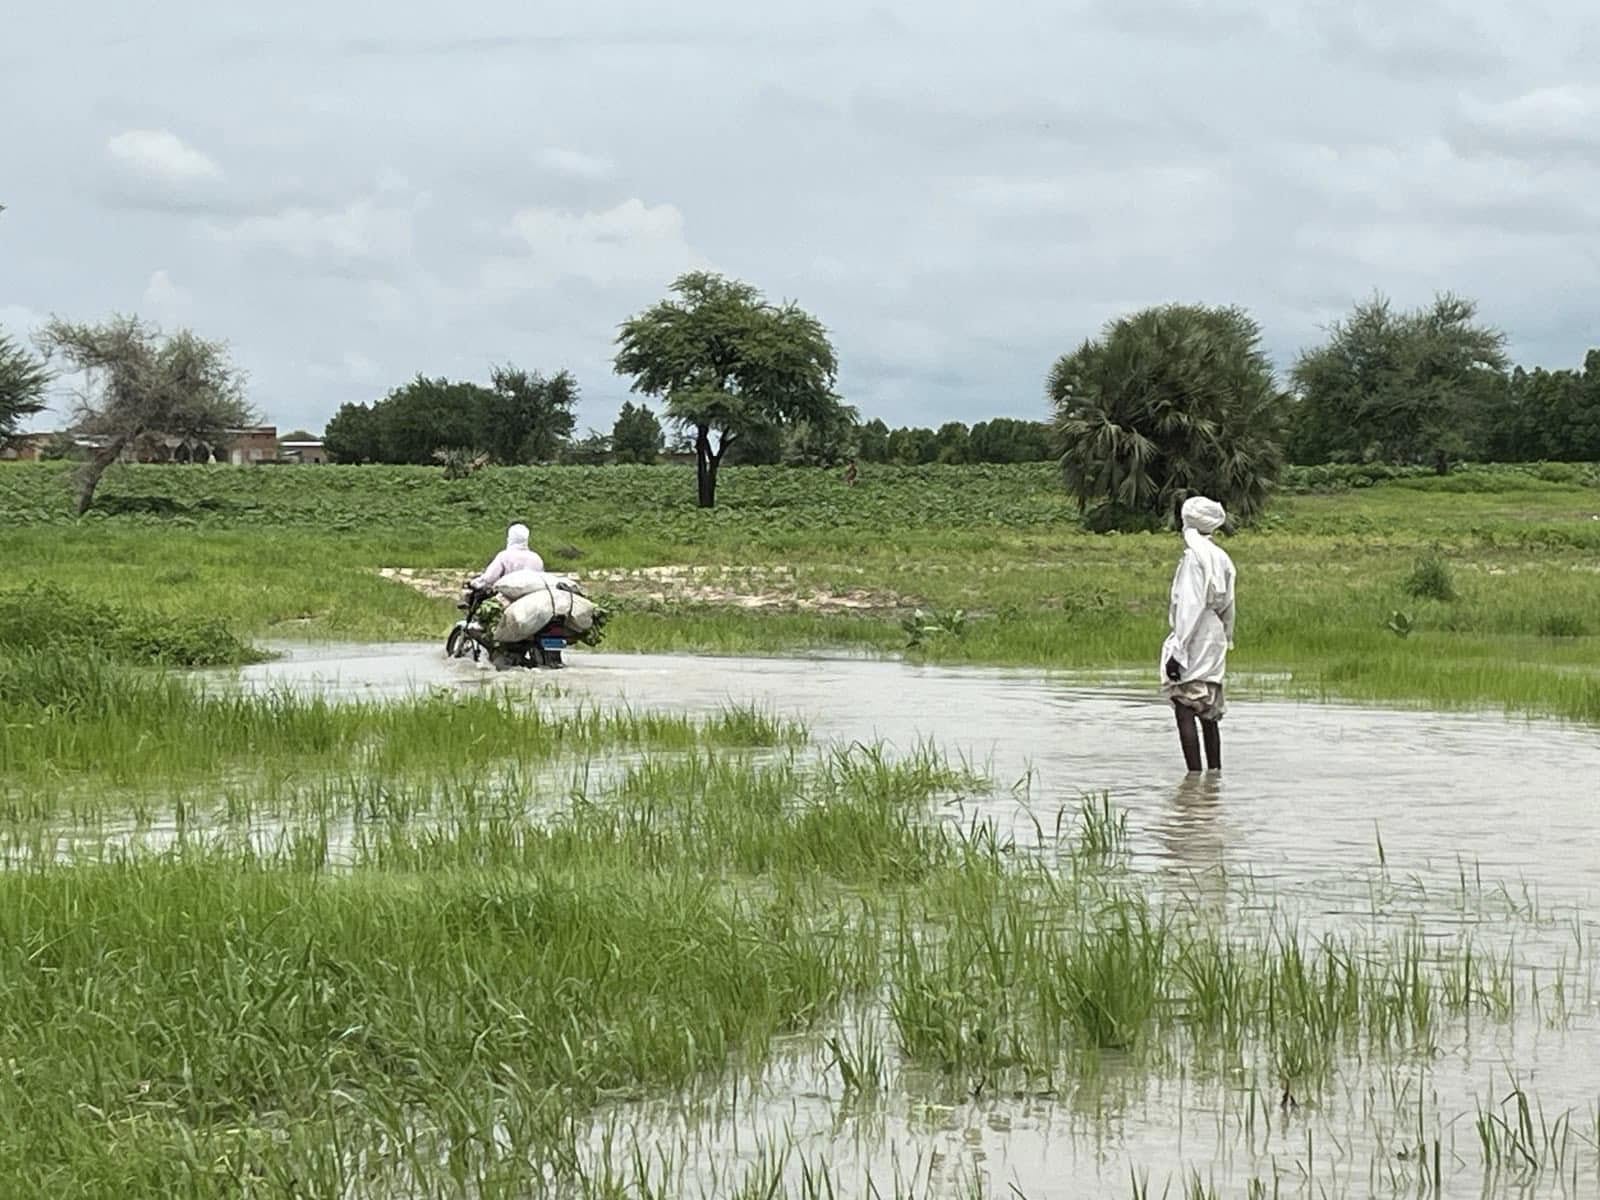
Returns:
(705, 464)
(707, 461)
(89, 476)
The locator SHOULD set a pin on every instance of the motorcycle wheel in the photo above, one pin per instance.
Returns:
(455, 646)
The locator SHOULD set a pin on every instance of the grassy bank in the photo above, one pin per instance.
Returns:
(1324, 581)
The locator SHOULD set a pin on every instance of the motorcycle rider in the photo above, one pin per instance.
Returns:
(515, 557)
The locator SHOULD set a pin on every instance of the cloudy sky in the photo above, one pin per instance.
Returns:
(353, 192)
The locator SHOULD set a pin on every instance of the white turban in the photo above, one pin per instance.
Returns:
(517, 537)
(1203, 515)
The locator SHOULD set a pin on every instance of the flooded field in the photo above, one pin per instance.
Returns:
(1441, 865)
(1305, 792)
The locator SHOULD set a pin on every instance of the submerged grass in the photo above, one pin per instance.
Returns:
(438, 1009)
(1034, 975)
(215, 1019)
(68, 722)
(152, 1005)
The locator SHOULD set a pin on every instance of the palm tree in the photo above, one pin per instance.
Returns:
(1168, 402)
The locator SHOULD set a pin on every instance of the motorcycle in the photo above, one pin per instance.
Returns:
(473, 636)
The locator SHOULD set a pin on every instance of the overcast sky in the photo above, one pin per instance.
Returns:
(350, 193)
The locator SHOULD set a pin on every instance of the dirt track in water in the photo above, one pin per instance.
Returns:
(772, 589)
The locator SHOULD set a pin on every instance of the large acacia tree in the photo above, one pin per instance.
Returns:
(728, 364)
(528, 418)
(1399, 386)
(1168, 402)
(143, 383)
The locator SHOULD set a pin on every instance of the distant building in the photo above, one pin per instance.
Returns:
(241, 447)
(255, 445)
(26, 447)
(309, 453)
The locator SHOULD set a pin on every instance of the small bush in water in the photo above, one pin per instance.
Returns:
(1430, 579)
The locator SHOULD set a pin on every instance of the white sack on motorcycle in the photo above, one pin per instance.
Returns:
(517, 584)
(525, 617)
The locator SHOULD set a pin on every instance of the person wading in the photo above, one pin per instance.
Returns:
(1194, 658)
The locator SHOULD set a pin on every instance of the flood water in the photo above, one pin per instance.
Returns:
(1309, 794)
(1306, 788)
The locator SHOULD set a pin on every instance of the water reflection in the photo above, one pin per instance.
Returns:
(1190, 825)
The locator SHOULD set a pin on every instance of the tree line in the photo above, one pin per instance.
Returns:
(740, 380)
(1001, 440)
(1161, 403)
(1432, 386)
(518, 417)
(1182, 399)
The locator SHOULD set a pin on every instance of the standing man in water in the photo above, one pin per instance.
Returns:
(1194, 658)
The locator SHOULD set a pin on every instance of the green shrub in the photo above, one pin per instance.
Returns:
(1562, 473)
(459, 462)
(1431, 579)
(1471, 478)
(1342, 477)
(1480, 483)
(1563, 625)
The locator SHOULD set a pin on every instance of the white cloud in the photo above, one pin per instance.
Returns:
(575, 163)
(391, 182)
(1425, 182)
(163, 295)
(359, 367)
(351, 367)
(19, 321)
(1551, 118)
(633, 242)
(162, 154)
(362, 230)
(1091, 193)
(1291, 156)
(914, 343)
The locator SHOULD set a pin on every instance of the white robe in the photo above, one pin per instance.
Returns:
(515, 557)
(1200, 613)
